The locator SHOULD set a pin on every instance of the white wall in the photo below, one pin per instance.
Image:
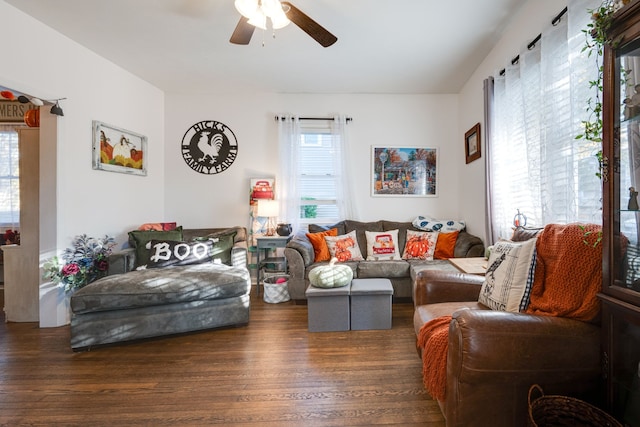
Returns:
(197, 200)
(43, 63)
(532, 19)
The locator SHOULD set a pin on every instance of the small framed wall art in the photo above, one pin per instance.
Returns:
(472, 143)
(118, 150)
(404, 171)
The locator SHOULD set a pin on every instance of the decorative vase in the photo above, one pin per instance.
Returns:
(283, 229)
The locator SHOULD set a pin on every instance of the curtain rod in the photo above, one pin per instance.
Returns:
(533, 42)
(312, 118)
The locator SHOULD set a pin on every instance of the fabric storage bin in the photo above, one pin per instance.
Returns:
(328, 309)
(371, 304)
(275, 292)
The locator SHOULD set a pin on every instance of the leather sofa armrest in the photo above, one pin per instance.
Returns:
(503, 354)
(433, 286)
(122, 261)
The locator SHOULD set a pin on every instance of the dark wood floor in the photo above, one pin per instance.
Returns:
(271, 373)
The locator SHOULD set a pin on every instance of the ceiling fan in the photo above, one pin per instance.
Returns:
(255, 13)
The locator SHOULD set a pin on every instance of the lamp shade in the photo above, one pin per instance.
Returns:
(267, 208)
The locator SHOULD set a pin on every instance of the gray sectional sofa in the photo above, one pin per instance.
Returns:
(132, 304)
(402, 273)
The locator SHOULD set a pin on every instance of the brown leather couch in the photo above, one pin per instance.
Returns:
(494, 357)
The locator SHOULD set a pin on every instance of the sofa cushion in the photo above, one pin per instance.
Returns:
(420, 245)
(446, 245)
(142, 288)
(316, 228)
(505, 282)
(386, 269)
(344, 247)
(320, 248)
(382, 245)
(139, 239)
(360, 228)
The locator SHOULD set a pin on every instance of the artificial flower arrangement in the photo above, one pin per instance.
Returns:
(86, 261)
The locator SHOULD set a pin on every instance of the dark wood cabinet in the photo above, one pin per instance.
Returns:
(621, 217)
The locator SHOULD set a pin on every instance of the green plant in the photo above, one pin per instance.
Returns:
(596, 37)
(308, 211)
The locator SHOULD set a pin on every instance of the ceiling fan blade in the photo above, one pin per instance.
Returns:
(309, 26)
(243, 32)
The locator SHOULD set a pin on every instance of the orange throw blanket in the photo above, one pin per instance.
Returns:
(433, 339)
(568, 272)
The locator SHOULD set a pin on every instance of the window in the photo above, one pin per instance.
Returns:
(318, 176)
(536, 164)
(313, 186)
(9, 178)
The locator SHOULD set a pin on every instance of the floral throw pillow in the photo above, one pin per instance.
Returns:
(420, 245)
(344, 247)
(382, 245)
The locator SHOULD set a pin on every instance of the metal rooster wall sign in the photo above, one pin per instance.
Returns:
(209, 147)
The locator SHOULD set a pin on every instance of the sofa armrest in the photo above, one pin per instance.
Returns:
(504, 353)
(239, 254)
(468, 246)
(122, 261)
(434, 286)
(301, 244)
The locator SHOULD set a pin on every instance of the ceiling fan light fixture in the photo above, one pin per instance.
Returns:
(247, 8)
(259, 20)
(279, 19)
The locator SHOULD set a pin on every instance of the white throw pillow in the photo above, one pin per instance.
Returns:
(344, 247)
(382, 245)
(506, 279)
(441, 225)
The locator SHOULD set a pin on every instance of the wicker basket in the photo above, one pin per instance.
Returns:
(561, 411)
(276, 292)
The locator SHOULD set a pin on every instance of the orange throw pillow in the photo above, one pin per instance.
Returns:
(320, 247)
(445, 245)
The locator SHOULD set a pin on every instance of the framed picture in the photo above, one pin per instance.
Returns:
(472, 143)
(404, 171)
(118, 150)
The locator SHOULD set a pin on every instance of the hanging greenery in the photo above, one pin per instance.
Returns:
(596, 37)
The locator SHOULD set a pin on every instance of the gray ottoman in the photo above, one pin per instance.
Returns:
(328, 309)
(371, 304)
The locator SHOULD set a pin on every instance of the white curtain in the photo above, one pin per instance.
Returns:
(537, 165)
(344, 196)
(287, 190)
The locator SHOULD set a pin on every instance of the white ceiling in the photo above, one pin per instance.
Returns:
(384, 46)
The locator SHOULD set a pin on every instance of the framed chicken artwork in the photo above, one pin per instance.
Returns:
(118, 150)
(209, 147)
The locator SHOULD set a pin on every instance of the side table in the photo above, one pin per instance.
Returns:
(267, 243)
(473, 265)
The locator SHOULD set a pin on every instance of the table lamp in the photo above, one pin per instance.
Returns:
(269, 210)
